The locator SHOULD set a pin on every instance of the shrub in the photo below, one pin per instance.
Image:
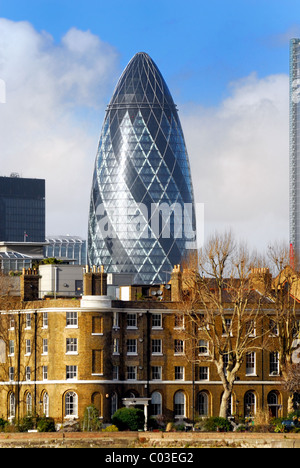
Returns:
(91, 421)
(217, 423)
(3, 423)
(27, 423)
(111, 428)
(131, 419)
(46, 425)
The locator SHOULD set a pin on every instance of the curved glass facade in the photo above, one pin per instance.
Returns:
(142, 216)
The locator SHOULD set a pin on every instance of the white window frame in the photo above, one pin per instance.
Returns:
(179, 373)
(131, 347)
(131, 321)
(131, 373)
(11, 373)
(179, 405)
(71, 407)
(27, 374)
(45, 346)
(203, 344)
(72, 319)
(71, 372)
(45, 372)
(156, 347)
(11, 348)
(206, 372)
(274, 363)
(156, 373)
(72, 346)
(178, 347)
(28, 322)
(45, 320)
(251, 359)
(116, 320)
(27, 347)
(156, 321)
(116, 347)
(116, 372)
(46, 404)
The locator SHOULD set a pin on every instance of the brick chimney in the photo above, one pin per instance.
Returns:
(94, 281)
(176, 284)
(261, 279)
(29, 285)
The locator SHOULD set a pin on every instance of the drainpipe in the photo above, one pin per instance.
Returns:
(55, 282)
(148, 351)
(18, 369)
(35, 359)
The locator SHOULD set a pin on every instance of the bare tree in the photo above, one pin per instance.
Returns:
(285, 295)
(221, 308)
(13, 358)
(291, 378)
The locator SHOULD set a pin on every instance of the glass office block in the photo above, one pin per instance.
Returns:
(142, 214)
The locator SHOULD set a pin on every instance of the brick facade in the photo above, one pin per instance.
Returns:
(58, 357)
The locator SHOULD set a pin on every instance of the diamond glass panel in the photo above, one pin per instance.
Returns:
(142, 216)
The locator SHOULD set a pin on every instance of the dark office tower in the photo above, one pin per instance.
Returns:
(295, 147)
(22, 209)
(142, 214)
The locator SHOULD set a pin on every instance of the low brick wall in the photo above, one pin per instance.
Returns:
(149, 440)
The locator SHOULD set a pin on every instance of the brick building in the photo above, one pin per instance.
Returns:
(59, 356)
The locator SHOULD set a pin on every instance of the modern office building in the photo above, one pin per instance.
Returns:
(295, 146)
(67, 248)
(22, 209)
(142, 213)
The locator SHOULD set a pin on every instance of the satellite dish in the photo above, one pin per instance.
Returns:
(153, 293)
(296, 356)
(168, 286)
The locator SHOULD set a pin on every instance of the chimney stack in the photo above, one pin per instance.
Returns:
(94, 281)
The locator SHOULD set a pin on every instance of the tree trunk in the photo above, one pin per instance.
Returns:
(290, 403)
(225, 403)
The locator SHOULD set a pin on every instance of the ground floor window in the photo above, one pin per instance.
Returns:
(273, 404)
(114, 403)
(156, 404)
(28, 404)
(71, 404)
(249, 404)
(179, 404)
(46, 404)
(12, 406)
(203, 404)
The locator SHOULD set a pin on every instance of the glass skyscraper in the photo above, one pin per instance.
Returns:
(22, 209)
(295, 146)
(142, 213)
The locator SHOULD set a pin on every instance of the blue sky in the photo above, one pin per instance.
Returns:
(226, 63)
(199, 46)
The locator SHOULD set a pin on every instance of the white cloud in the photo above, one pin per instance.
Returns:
(50, 124)
(239, 153)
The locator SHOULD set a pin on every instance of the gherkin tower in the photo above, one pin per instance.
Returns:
(142, 213)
